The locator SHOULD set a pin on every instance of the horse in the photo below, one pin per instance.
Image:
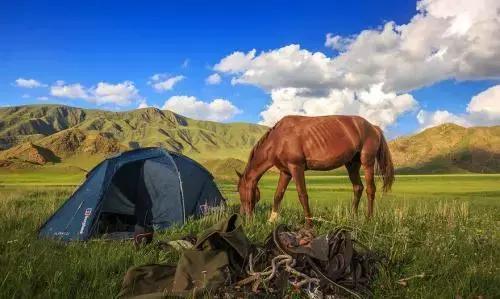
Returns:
(299, 143)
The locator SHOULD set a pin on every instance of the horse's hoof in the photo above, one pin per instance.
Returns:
(274, 216)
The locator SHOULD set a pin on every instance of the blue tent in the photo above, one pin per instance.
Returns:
(148, 187)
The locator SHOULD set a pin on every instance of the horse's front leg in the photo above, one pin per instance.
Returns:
(278, 195)
(300, 181)
(357, 186)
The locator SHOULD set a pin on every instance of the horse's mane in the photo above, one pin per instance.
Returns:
(256, 147)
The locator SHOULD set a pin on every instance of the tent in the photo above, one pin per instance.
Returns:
(149, 187)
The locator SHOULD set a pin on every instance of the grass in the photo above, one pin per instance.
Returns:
(445, 227)
(41, 177)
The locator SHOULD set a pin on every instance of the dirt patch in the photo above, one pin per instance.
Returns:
(31, 153)
(100, 144)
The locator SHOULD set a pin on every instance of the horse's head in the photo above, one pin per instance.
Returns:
(249, 194)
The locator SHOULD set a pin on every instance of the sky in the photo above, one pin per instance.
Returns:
(403, 65)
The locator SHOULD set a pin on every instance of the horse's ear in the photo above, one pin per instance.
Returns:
(238, 173)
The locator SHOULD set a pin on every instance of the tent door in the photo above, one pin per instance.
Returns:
(163, 186)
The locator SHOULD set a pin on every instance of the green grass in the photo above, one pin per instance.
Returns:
(48, 176)
(443, 226)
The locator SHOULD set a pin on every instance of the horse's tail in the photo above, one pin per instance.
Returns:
(385, 167)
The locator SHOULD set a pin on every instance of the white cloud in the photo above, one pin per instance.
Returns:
(379, 107)
(142, 104)
(121, 94)
(217, 110)
(337, 42)
(483, 109)
(25, 96)
(70, 91)
(428, 119)
(185, 63)
(28, 83)
(213, 79)
(43, 98)
(162, 82)
(236, 62)
(446, 39)
(486, 105)
(289, 66)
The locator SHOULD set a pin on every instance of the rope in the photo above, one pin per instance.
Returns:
(270, 272)
(340, 272)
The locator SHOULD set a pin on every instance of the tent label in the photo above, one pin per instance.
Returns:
(61, 234)
(88, 211)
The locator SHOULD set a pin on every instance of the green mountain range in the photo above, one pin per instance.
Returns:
(37, 136)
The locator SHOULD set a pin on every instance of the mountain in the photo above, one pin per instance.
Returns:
(82, 137)
(448, 148)
(55, 135)
(224, 168)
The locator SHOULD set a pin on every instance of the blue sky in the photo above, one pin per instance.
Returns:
(113, 42)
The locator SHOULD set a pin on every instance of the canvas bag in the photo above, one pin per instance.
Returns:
(219, 255)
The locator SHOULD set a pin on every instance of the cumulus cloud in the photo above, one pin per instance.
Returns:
(162, 82)
(142, 104)
(213, 79)
(121, 94)
(485, 106)
(483, 109)
(374, 104)
(216, 110)
(428, 119)
(446, 39)
(337, 42)
(70, 91)
(28, 83)
(236, 62)
(289, 66)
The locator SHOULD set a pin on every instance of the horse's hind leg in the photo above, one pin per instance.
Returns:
(278, 195)
(368, 162)
(357, 186)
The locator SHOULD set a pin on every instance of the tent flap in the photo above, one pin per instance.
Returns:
(163, 185)
(73, 219)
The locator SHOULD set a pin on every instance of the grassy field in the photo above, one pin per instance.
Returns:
(444, 227)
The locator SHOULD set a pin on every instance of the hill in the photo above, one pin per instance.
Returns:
(448, 148)
(56, 135)
(224, 168)
(81, 137)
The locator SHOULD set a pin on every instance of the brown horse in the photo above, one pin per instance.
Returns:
(299, 143)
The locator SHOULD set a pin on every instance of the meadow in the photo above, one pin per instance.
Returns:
(439, 233)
